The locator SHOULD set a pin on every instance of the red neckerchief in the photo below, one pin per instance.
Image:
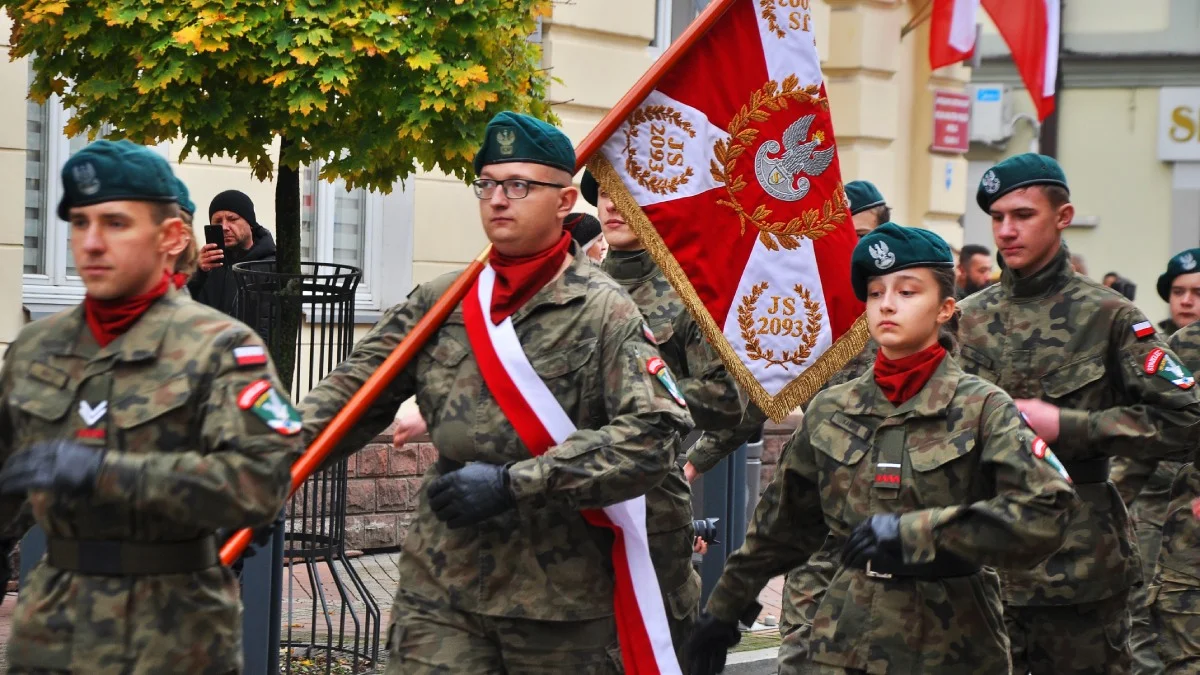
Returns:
(179, 280)
(518, 279)
(901, 379)
(109, 319)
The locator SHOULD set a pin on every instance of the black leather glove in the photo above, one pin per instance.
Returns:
(59, 466)
(875, 540)
(710, 643)
(471, 494)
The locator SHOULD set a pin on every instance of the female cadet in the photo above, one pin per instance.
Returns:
(921, 474)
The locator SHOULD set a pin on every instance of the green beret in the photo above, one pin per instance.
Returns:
(512, 137)
(589, 188)
(1185, 262)
(891, 248)
(863, 195)
(109, 172)
(1018, 172)
(184, 198)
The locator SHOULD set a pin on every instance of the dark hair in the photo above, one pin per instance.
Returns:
(883, 214)
(1057, 195)
(948, 332)
(969, 251)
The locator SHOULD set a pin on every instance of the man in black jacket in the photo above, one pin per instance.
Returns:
(245, 241)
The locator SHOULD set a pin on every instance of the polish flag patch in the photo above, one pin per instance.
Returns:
(1143, 329)
(252, 355)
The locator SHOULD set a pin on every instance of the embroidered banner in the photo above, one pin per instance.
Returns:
(728, 172)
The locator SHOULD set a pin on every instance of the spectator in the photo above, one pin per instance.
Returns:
(1121, 285)
(588, 235)
(974, 271)
(245, 241)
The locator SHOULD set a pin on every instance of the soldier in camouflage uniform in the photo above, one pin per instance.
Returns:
(804, 586)
(499, 571)
(137, 424)
(1174, 596)
(712, 396)
(1145, 484)
(917, 474)
(1075, 356)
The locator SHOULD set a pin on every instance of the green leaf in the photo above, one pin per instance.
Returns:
(424, 60)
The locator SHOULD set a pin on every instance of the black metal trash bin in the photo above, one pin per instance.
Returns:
(312, 311)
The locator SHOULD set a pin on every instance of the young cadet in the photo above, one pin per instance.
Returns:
(1076, 358)
(137, 424)
(710, 391)
(500, 570)
(1173, 597)
(920, 474)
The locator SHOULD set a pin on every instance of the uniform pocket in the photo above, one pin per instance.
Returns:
(932, 455)
(842, 439)
(45, 403)
(565, 362)
(1062, 382)
(977, 363)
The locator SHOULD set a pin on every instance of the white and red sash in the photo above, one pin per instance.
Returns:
(541, 424)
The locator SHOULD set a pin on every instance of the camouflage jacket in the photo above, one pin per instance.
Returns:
(969, 484)
(713, 400)
(183, 459)
(1179, 559)
(1063, 338)
(584, 336)
(714, 446)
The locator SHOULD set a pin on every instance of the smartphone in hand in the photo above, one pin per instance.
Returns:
(215, 234)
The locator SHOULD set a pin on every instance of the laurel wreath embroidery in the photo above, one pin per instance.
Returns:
(811, 224)
(768, 13)
(644, 175)
(808, 341)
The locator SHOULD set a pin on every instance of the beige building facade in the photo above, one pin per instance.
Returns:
(880, 87)
(1127, 135)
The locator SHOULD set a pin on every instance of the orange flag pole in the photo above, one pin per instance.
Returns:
(348, 416)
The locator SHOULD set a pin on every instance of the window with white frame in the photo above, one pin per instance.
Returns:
(672, 18)
(337, 225)
(367, 230)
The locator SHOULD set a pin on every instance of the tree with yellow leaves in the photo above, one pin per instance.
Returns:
(373, 88)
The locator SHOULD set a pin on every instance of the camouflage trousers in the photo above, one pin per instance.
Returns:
(803, 589)
(1143, 638)
(1175, 609)
(1087, 639)
(671, 553)
(430, 638)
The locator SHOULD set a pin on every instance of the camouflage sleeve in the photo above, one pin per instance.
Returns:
(250, 436)
(1130, 476)
(1160, 419)
(714, 446)
(627, 456)
(1025, 520)
(333, 392)
(788, 526)
(710, 390)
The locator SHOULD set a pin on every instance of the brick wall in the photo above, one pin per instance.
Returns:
(384, 485)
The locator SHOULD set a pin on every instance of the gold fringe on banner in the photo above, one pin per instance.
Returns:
(798, 391)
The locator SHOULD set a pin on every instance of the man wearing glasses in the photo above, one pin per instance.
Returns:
(500, 570)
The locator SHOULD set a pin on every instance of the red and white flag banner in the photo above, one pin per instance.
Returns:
(952, 31)
(728, 172)
(1031, 30)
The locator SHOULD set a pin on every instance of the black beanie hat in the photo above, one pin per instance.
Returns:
(236, 201)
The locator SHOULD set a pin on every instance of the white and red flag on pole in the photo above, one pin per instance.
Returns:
(952, 31)
(1031, 30)
(725, 164)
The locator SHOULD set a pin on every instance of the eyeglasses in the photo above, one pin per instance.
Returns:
(514, 188)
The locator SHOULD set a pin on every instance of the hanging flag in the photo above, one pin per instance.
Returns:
(952, 32)
(1031, 29)
(727, 169)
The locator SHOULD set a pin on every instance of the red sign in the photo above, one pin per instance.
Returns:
(951, 118)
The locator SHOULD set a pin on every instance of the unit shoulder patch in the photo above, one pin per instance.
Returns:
(1041, 450)
(658, 368)
(250, 355)
(1143, 329)
(1158, 362)
(262, 399)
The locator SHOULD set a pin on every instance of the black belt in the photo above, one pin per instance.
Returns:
(1088, 471)
(445, 465)
(944, 566)
(113, 558)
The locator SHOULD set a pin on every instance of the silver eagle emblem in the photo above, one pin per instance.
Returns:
(884, 258)
(782, 169)
(1187, 261)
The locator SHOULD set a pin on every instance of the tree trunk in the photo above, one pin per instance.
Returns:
(287, 261)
